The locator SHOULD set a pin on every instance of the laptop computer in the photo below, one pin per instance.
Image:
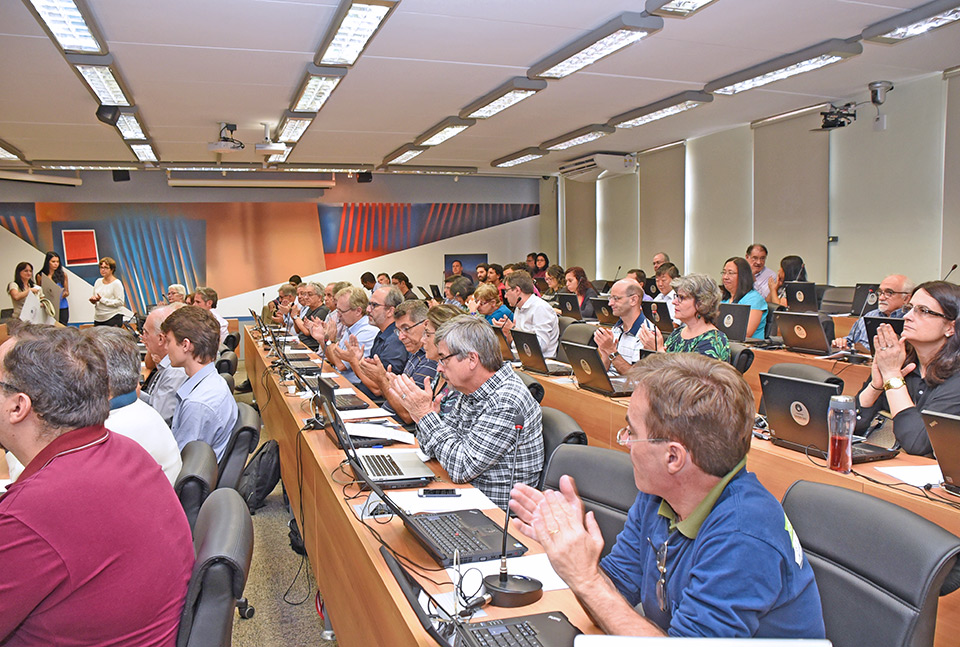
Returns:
(803, 332)
(797, 417)
(342, 402)
(435, 291)
(801, 296)
(591, 374)
(506, 352)
(659, 315)
(944, 432)
(384, 467)
(601, 306)
(872, 323)
(448, 630)
(541, 285)
(733, 320)
(865, 298)
(569, 305)
(531, 356)
(650, 286)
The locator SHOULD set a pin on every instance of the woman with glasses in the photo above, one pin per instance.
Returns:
(696, 306)
(737, 279)
(108, 299)
(918, 370)
(542, 264)
(486, 302)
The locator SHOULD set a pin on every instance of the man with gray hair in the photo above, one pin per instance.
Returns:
(387, 349)
(890, 297)
(130, 416)
(94, 543)
(493, 436)
(160, 388)
(351, 313)
(176, 293)
(312, 296)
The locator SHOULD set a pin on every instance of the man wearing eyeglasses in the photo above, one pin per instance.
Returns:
(757, 257)
(351, 312)
(892, 294)
(387, 350)
(311, 295)
(706, 549)
(620, 346)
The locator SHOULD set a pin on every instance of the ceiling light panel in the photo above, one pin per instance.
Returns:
(293, 126)
(68, 23)
(329, 168)
(317, 87)
(87, 167)
(277, 158)
(403, 154)
(914, 22)
(449, 127)
(8, 152)
(661, 109)
(144, 152)
(129, 126)
(353, 27)
(432, 170)
(783, 67)
(613, 36)
(510, 93)
(577, 137)
(676, 8)
(212, 169)
(101, 77)
(520, 157)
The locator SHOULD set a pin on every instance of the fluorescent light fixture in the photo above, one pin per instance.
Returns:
(667, 108)
(102, 79)
(577, 137)
(510, 93)
(520, 157)
(676, 8)
(39, 178)
(914, 22)
(251, 183)
(316, 88)
(791, 114)
(54, 166)
(211, 169)
(330, 168)
(144, 152)
(783, 67)
(293, 125)
(129, 125)
(277, 158)
(403, 154)
(661, 147)
(613, 36)
(431, 170)
(8, 152)
(353, 26)
(443, 131)
(68, 23)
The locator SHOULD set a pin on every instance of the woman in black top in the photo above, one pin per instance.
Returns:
(53, 269)
(918, 370)
(578, 284)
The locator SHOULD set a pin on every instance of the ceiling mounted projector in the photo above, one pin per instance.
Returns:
(226, 143)
(267, 146)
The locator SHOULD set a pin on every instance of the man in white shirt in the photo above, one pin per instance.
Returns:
(531, 314)
(620, 346)
(351, 311)
(665, 292)
(757, 257)
(206, 298)
(160, 388)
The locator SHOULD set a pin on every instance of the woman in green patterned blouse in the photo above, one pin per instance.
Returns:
(697, 304)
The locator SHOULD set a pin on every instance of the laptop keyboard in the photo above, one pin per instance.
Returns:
(448, 533)
(381, 465)
(521, 634)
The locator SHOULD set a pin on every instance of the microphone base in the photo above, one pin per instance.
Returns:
(517, 591)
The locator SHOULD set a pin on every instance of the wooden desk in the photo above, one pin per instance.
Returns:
(361, 595)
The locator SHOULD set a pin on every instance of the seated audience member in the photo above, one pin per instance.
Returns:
(487, 299)
(95, 547)
(531, 265)
(402, 283)
(311, 294)
(481, 273)
(442, 390)
(206, 298)
(640, 277)
(791, 269)
(530, 314)
(331, 330)
(924, 375)
(130, 416)
(495, 274)
(368, 281)
(206, 409)
(176, 293)
(284, 306)
(555, 279)
(351, 311)
(159, 390)
(659, 259)
(460, 289)
(295, 279)
(476, 442)
(666, 273)
(738, 288)
(577, 283)
(384, 279)
(543, 262)
(891, 296)
(620, 346)
(756, 256)
(706, 550)
(697, 306)
(387, 351)
(410, 318)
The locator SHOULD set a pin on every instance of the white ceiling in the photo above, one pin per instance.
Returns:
(190, 64)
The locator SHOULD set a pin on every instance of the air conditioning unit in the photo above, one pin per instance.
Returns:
(599, 166)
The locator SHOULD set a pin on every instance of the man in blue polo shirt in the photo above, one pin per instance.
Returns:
(620, 346)
(706, 549)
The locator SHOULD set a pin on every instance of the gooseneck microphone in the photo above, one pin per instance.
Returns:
(617, 273)
(951, 271)
(866, 301)
(512, 590)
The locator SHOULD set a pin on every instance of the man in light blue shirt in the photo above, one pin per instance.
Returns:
(891, 296)
(205, 409)
(351, 311)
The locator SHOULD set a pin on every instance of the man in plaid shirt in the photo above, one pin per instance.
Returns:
(477, 441)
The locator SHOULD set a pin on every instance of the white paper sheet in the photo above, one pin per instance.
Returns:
(470, 498)
(537, 566)
(363, 414)
(391, 432)
(918, 475)
(343, 390)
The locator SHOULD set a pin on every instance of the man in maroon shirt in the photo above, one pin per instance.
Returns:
(94, 546)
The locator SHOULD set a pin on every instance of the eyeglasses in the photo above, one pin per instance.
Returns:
(373, 305)
(443, 359)
(623, 438)
(728, 273)
(406, 331)
(680, 298)
(662, 569)
(887, 292)
(614, 298)
(923, 310)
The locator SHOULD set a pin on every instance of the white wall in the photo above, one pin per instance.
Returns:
(618, 225)
(661, 206)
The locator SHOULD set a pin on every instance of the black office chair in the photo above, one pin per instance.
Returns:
(820, 289)
(197, 478)
(578, 333)
(563, 322)
(223, 542)
(232, 340)
(243, 440)
(227, 363)
(879, 568)
(741, 357)
(231, 383)
(536, 389)
(558, 429)
(604, 480)
(837, 300)
(803, 372)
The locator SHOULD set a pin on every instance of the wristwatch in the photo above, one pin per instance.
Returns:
(894, 383)
(614, 355)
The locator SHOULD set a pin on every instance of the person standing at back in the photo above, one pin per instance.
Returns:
(108, 299)
(53, 269)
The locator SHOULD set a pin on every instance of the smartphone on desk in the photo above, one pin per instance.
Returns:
(438, 492)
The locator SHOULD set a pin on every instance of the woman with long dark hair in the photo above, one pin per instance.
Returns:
(918, 370)
(792, 268)
(21, 286)
(542, 263)
(53, 269)
(737, 287)
(576, 279)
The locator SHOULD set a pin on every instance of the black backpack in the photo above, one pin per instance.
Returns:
(260, 475)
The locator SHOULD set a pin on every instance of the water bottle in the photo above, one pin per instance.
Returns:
(841, 418)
